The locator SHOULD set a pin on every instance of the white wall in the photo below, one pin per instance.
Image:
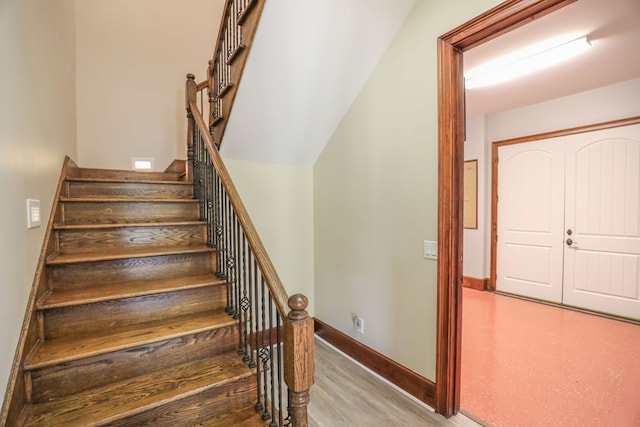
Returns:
(598, 105)
(133, 57)
(375, 197)
(477, 241)
(279, 199)
(37, 129)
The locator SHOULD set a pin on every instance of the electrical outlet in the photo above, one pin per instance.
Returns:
(358, 322)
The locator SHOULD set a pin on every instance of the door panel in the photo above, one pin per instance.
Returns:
(602, 266)
(530, 219)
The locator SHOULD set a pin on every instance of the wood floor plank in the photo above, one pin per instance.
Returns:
(124, 253)
(129, 397)
(117, 210)
(135, 180)
(127, 174)
(125, 200)
(74, 348)
(125, 290)
(124, 225)
(129, 188)
(243, 416)
(347, 395)
(97, 240)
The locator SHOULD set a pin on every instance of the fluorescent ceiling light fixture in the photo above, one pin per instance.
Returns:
(525, 61)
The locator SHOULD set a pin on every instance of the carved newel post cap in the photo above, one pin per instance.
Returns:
(191, 76)
(298, 302)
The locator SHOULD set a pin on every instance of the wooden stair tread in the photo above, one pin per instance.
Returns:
(123, 399)
(128, 181)
(124, 290)
(123, 253)
(125, 200)
(127, 174)
(60, 226)
(62, 350)
(243, 416)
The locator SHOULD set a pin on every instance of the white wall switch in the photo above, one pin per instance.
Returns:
(430, 249)
(33, 213)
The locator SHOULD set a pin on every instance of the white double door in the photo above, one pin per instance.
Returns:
(568, 220)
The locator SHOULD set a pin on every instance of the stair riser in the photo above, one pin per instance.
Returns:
(96, 317)
(72, 377)
(83, 275)
(196, 408)
(126, 174)
(77, 241)
(75, 213)
(129, 189)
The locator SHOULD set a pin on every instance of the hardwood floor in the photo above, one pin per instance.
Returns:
(347, 395)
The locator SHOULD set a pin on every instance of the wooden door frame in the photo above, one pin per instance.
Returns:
(503, 18)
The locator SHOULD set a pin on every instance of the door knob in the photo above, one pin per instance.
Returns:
(569, 232)
(570, 242)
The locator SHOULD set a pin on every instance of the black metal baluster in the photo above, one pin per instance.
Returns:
(236, 256)
(252, 308)
(245, 302)
(240, 308)
(264, 353)
(230, 260)
(209, 198)
(259, 405)
(280, 377)
(219, 218)
(271, 366)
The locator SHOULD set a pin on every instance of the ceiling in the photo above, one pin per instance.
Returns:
(613, 26)
(307, 65)
(301, 79)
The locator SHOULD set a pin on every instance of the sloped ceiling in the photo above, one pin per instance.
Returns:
(308, 62)
(311, 58)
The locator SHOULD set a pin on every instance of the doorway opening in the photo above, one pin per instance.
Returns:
(490, 25)
(497, 21)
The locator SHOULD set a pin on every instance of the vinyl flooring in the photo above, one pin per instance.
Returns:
(530, 364)
(347, 395)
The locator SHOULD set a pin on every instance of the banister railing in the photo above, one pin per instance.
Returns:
(237, 30)
(275, 331)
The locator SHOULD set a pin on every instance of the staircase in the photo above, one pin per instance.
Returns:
(154, 302)
(132, 328)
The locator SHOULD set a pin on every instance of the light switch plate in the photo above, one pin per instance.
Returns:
(33, 213)
(430, 249)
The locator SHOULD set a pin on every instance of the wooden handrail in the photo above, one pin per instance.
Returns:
(268, 270)
(298, 340)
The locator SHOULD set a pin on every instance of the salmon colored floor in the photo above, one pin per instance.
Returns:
(530, 364)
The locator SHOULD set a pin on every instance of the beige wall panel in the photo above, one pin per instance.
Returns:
(279, 199)
(37, 129)
(133, 57)
(375, 197)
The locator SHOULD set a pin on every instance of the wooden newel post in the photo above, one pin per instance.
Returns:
(190, 90)
(299, 364)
